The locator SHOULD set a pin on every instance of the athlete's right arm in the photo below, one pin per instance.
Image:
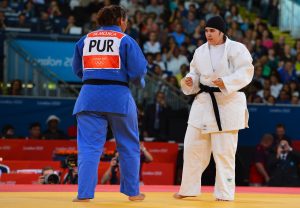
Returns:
(77, 59)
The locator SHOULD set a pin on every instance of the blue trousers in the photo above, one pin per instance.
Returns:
(92, 129)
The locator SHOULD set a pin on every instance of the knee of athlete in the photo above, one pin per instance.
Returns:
(225, 155)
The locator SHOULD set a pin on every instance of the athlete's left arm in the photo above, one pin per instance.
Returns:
(241, 61)
(136, 63)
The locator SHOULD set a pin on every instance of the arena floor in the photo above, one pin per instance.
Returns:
(60, 196)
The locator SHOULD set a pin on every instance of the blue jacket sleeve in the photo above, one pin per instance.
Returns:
(136, 63)
(77, 59)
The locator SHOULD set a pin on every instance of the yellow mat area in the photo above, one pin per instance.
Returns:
(153, 200)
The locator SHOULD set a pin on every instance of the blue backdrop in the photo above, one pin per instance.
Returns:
(20, 112)
(57, 56)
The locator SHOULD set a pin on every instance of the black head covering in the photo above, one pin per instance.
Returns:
(216, 22)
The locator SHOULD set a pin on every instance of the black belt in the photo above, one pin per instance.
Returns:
(211, 90)
(104, 82)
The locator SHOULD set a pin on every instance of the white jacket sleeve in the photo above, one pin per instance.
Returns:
(243, 70)
(195, 75)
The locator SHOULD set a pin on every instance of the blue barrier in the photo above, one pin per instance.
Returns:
(21, 111)
(263, 119)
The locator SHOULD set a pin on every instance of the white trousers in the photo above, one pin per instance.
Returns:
(197, 150)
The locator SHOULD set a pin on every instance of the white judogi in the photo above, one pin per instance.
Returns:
(232, 63)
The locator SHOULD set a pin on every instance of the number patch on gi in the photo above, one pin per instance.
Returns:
(101, 50)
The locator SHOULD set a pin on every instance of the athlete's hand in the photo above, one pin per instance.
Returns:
(219, 83)
(188, 81)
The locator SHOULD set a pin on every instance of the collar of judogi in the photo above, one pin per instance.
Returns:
(111, 27)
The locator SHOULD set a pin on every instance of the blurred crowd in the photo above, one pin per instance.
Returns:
(170, 31)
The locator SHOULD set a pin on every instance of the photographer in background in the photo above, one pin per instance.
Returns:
(71, 177)
(49, 176)
(284, 166)
(112, 174)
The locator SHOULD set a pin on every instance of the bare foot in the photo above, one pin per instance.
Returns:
(221, 199)
(80, 200)
(139, 197)
(178, 196)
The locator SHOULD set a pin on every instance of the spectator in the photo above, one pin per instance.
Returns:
(271, 100)
(297, 64)
(159, 72)
(178, 34)
(283, 166)
(266, 72)
(183, 71)
(266, 87)
(30, 10)
(199, 32)
(175, 60)
(45, 24)
(280, 134)
(266, 39)
(287, 55)
(284, 97)
(54, 9)
(22, 22)
(259, 175)
(53, 132)
(91, 25)
(15, 87)
(2, 21)
(287, 72)
(71, 25)
(156, 118)
(150, 59)
(160, 62)
(132, 31)
(234, 13)
(8, 132)
(152, 45)
(35, 131)
(258, 80)
(295, 100)
(4, 7)
(294, 88)
(276, 86)
(190, 23)
(154, 7)
(272, 59)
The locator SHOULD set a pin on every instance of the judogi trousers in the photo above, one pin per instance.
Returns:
(92, 129)
(197, 150)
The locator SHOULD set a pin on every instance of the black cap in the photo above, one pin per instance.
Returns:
(217, 22)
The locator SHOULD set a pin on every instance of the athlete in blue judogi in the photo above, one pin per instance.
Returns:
(107, 60)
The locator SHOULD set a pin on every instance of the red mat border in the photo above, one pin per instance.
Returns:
(146, 188)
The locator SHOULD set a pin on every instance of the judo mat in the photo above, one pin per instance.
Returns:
(60, 196)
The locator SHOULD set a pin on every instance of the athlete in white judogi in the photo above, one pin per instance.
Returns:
(219, 69)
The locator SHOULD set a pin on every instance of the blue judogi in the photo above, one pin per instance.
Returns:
(107, 54)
